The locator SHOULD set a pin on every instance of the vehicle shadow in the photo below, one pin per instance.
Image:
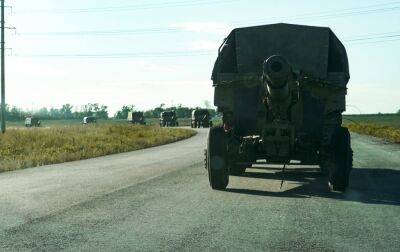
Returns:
(367, 185)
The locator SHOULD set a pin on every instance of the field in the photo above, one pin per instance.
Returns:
(386, 126)
(63, 141)
(391, 120)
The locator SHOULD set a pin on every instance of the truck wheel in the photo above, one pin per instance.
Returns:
(342, 157)
(236, 170)
(217, 167)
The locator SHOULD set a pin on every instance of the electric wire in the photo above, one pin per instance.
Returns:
(130, 8)
(153, 30)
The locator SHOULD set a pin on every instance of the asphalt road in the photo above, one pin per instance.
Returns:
(159, 199)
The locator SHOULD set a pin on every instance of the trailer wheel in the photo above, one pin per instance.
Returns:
(342, 157)
(217, 166)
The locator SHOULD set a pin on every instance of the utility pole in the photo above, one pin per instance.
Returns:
(3, 71)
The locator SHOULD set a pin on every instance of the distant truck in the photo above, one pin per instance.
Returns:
(89, 119)
(168, 119)
(201, 118)
(31, 121)
(136, 118)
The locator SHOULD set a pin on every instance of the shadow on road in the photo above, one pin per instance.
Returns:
(367, 185)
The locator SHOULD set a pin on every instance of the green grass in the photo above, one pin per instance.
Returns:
(62, 123)
(23, 148)
(386, 126)
(391, 120)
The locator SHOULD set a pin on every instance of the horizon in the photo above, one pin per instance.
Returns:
(147, 54)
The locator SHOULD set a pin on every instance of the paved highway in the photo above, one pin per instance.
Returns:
(159, 199)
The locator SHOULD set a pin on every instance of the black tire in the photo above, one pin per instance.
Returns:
(217, 166)
(237, 170)
(342, 157)
(324, 168)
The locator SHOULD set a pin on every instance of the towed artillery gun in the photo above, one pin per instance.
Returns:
(168, 119)
(136, 118)
(281, 90)
(201, 118)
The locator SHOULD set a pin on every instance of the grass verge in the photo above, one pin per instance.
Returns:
(23, 148)
(389, 133)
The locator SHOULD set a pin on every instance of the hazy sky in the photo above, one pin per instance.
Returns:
(151, 52)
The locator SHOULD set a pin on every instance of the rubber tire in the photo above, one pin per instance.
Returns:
(324, 169)
(342, 160)
(237, 170)
(217, 166)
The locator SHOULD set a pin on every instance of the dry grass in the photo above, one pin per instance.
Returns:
(22, 148)
(386, 132)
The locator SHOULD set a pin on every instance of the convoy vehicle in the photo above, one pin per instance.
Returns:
(31, 121)
(201, 118)
(281, 90)
(168, 119)
(89, 119)
(136, 117)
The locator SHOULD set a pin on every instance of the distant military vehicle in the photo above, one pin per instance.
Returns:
(31, 121)
(281, 90)
(89, 119)
(136, 118)
(168, 119)
(201, 118)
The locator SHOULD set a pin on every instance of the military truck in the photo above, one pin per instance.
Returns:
(281, 90)
(168, 119)
(89, 120)
(31, 121)
(201, 118)
(136, 118)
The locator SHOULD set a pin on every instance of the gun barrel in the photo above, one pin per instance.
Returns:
(277, 73)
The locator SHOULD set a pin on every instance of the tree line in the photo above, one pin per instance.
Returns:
(68, 112)
(65, 112)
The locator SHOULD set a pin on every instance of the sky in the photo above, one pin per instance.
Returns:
(150, 52)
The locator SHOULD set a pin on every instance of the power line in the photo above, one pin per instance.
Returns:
(125, 55)
(361, 10)
(157, 30)
(374, 38)
(192, 53)
(138, 31)
(376, 41)
(136, 7)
